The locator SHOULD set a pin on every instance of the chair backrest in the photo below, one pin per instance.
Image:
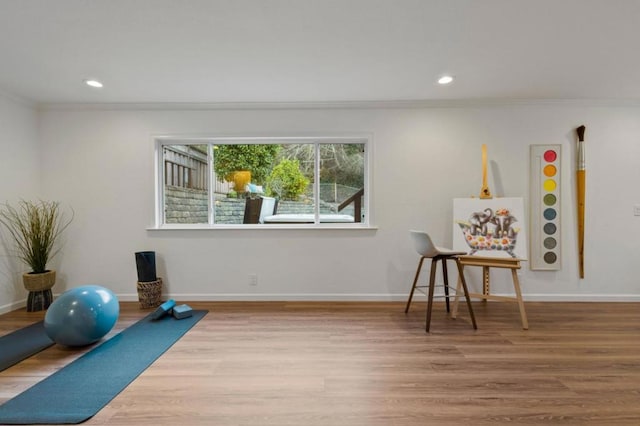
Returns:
(252, 210)
(423, 244)
(256, 209)
(268, 208)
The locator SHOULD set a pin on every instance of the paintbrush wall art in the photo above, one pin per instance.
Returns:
(581, 173)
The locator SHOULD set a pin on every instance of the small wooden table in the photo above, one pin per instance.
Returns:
(493, 262)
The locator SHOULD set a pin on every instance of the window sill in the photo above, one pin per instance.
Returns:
(288, 226)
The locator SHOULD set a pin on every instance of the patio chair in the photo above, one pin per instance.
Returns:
(256, 209)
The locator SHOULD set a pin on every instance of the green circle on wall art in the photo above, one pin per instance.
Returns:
(550, 199)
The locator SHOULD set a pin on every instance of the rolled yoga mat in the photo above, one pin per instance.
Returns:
(78, 391)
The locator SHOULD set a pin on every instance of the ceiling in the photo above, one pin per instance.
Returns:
(241, 51)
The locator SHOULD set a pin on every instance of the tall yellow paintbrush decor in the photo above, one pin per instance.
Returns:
(484, 191)
(580, 179)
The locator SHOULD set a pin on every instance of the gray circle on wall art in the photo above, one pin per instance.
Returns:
(550, 243)
(549, 229)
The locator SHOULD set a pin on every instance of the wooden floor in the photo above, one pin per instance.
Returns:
(370, 364)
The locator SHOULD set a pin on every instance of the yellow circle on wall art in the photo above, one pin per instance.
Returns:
(549, 170)
(549, 185)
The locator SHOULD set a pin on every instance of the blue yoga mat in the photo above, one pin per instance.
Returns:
(21, 344)
(78, 391)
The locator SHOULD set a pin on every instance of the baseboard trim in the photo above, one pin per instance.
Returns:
(9, 307)
(256, 297)
(580, 297)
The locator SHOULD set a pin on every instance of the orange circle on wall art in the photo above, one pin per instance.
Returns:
(549, 185)
(549, 170)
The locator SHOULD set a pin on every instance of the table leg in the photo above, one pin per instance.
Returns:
(454, 311)
(466, 294)
(486, 286)
(516, 286)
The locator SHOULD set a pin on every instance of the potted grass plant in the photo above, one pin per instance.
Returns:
(35, 228)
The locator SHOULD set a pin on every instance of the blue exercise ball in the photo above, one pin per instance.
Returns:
(82, 315)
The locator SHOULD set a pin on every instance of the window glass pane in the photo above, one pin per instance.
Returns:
(291, 183)
(342, 181)
(186, 180)
(230, 183)
(255, 182)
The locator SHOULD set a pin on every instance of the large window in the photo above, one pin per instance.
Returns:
(262, 182)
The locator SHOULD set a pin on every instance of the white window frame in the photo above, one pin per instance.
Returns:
(161, 141)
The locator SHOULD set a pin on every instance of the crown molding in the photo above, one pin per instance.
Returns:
(368, 104)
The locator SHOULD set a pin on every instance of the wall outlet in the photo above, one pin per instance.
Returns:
(253, 279)
(636, 210)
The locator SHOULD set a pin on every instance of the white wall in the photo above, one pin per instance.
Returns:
(101, 163)
(20, 179)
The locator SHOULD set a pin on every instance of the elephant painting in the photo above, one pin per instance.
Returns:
(503, 220)
(491, 228)
(479, 221)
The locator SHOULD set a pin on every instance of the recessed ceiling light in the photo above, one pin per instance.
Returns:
(445, 79)
(93, 83)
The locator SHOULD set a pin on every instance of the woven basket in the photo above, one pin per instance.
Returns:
(150, 293)
(39, 282)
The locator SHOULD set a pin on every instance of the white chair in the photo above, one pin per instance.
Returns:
(269, 206)
(427, 250)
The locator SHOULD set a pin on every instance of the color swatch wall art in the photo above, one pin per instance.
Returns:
(545, 200)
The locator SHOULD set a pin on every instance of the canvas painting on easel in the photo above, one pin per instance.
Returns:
(490, 227)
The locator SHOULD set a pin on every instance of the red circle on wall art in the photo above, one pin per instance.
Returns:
(550, 155)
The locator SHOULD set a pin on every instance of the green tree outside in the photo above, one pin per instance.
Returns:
(286, 181)
(258, 159)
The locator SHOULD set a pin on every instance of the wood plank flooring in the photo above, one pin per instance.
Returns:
(285, 363)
